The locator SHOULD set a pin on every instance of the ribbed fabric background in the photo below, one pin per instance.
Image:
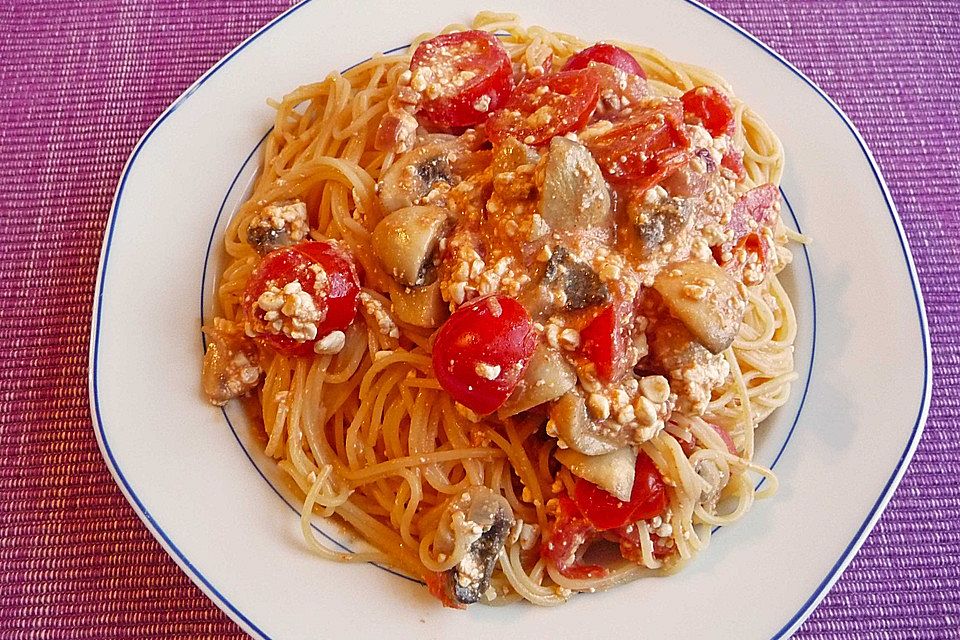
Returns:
(82, 81)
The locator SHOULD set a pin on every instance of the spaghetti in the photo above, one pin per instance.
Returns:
(487, 484)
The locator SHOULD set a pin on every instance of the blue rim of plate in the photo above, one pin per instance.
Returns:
(248, 624)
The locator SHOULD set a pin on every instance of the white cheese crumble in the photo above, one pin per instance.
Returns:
(696, 381)
(331, 343)
(487, 371)
(290, 311)
(482, 104)
(375, 310)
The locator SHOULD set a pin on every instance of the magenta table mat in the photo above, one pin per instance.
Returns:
(81, 81)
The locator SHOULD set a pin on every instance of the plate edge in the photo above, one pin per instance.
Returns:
(247, 625)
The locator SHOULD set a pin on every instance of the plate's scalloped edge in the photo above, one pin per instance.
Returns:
(248, 625)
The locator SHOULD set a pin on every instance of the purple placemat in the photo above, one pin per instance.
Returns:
(81, 82)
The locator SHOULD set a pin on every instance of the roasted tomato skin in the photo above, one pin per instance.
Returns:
(567, 537)
(644, 148)
(482, 350)
(711, 108)
(605, 53)
(546, 106)
(604, 340)
(470, 77)
(604, 511)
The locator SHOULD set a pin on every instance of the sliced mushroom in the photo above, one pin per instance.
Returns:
(659, 220)
(278, 225)
(417, 172)
(231, 366)
(705, 298)
(613, 472)
(548, 376)
(406, 239)
(478, 519)
(421, 306)
(574, 196)
(576, 429)
(581, 286)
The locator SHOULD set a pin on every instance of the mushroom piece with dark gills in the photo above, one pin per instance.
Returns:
(580, 285)
(277, 225)
(477, 522)
(661, 223)
(435, 166)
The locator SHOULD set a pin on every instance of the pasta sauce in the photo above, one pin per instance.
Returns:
(503, 300)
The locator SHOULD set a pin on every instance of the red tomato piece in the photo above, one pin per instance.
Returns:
(733, 160)
(546, 106)
(750, 248)
(604, 511)
(325, 272)
(604, 340)
(618, 90)
(567, 538)
(470, 76)
(645, 148)
(482, 350)
(607, 54)
(711, 108)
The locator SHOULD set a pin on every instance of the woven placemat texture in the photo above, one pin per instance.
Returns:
(82, 81)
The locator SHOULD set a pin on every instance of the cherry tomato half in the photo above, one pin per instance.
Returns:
(324, 272)
(604, 511)
(470, 77)
(546, 106)
(645, 148)
(711, 108)
(482, 350)
(567, 538)
(607, 54)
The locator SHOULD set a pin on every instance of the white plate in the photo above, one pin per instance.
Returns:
(205, 491)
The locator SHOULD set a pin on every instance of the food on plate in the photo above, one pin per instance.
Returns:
(507, 305)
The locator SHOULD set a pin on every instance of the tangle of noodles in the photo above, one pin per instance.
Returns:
(369, 437)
